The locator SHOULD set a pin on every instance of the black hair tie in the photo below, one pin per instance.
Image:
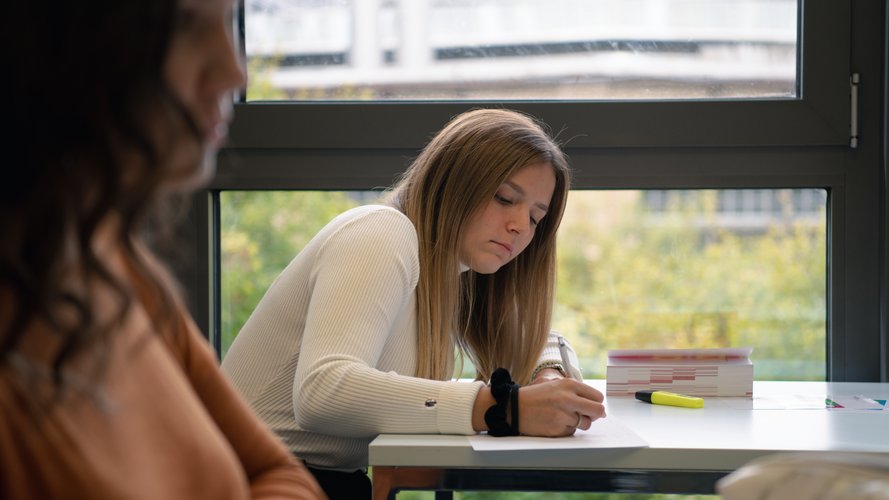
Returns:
(506, 394)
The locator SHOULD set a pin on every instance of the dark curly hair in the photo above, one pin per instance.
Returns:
(86, 76)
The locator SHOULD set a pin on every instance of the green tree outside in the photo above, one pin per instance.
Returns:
(261, 233)
(681, 281)
(626, 280)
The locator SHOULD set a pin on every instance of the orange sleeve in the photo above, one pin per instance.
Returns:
(272, 471)
(13, 474)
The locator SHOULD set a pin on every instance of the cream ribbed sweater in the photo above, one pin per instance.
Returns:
(327, 357)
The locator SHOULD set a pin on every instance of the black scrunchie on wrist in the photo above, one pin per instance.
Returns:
(505, 393)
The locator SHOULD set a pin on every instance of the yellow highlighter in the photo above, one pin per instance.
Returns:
(669, 399)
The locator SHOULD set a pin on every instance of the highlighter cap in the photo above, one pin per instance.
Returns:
(644, 396)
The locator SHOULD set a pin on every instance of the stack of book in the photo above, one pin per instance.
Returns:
(694, 372)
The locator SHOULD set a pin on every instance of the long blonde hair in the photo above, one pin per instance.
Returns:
(496, 320)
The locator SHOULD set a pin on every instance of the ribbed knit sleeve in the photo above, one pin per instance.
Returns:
(364, 277)
(551, 352)
(329, 355)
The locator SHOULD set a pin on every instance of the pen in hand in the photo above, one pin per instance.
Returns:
(566, 363)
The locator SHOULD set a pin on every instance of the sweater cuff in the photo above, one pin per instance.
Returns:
(455, 404)
(551, 353)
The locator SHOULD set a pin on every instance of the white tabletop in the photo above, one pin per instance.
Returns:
(722, 436)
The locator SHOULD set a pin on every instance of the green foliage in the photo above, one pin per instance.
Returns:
(628, 278)
(678, 280)
(259, 80)
(261, 233)
(261, 87)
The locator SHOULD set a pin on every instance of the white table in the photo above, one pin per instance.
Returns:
(689, 449)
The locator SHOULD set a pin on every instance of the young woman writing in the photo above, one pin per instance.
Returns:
(357, 336)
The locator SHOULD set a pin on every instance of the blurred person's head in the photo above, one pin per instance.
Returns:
(119, 99)
(115, 103)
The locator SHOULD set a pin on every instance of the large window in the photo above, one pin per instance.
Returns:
(742, 214)
(637, 269)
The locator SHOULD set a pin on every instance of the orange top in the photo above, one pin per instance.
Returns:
(162, 423)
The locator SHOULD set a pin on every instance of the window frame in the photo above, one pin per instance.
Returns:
(774, 143)
(818, 116)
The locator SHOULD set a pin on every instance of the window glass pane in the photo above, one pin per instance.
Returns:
(261, 231)
(637, 269)
(521, 49)
(702, 268)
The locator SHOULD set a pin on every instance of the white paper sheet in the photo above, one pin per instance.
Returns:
(604, 433)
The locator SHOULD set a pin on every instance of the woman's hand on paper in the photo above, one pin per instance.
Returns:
(558, 407)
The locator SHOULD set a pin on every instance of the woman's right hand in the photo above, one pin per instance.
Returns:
(558, 408)
(548, 408)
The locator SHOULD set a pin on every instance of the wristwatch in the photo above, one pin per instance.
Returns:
(549, 364)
